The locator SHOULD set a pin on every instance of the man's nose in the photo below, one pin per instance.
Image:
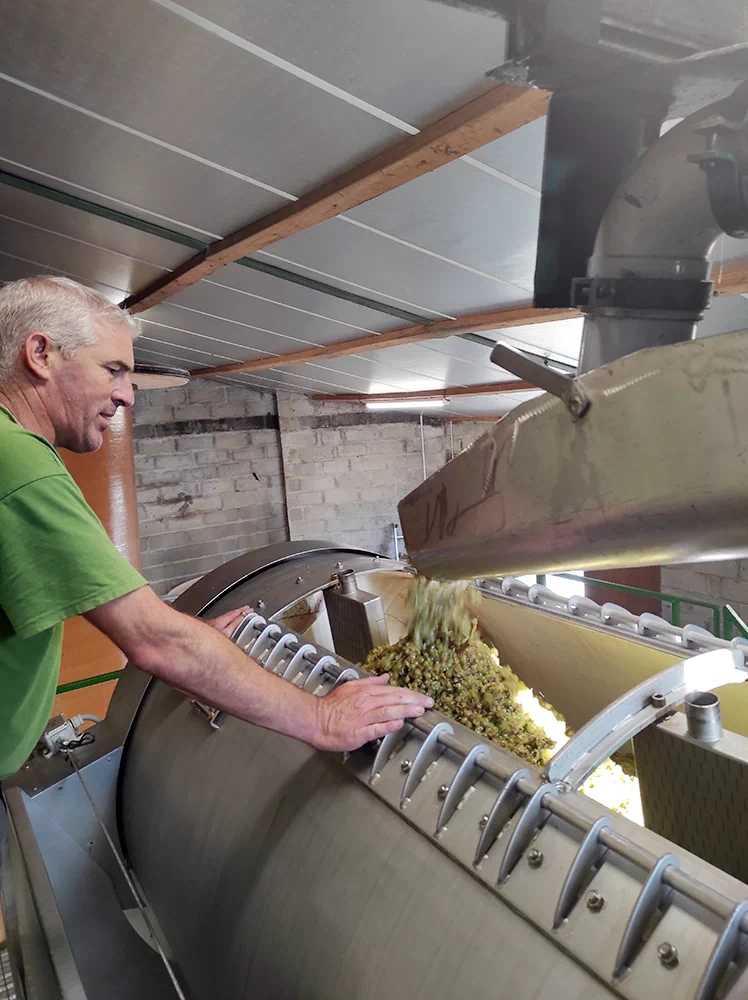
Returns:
(124, 395)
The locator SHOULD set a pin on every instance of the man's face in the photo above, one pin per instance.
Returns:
(89, 387)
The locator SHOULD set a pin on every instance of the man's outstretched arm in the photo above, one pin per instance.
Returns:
(198, 659)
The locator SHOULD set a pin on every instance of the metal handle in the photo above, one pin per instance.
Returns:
(567, 389)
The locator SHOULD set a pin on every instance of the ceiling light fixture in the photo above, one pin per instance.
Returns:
(146, 376)
(405, 404)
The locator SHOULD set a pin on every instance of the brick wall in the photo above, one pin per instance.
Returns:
(346, 468)
(222, 470)
(209, 477)
(716, 582)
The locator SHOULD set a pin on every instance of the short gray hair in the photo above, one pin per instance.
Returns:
(59, 307)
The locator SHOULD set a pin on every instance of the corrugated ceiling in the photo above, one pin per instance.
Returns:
(199, 117)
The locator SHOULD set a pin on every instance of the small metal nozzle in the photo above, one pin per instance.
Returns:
(703, 716)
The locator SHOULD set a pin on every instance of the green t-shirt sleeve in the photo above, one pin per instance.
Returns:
(56, 559)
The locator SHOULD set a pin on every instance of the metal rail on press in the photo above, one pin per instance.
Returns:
(301, 663)
(686, 637)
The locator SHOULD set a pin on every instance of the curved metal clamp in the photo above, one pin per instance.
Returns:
(636, 709)
(725, 163)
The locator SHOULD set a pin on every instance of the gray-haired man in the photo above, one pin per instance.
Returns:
(65, 361)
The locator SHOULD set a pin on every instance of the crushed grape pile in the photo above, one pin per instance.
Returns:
(444, 656)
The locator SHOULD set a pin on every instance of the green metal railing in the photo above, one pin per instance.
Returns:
(88, 682)
(726, 622)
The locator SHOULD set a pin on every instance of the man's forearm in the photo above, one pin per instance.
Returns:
(202, 662)
(197, 659)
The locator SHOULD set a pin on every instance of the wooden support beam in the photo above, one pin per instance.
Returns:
(448, 392)
(733, 280)
(496, 319)
(500, 111)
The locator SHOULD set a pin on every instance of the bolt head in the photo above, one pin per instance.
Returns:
(443, 789)
(595, 901)
(261, 603)
(535, 858)
(483, 822)
(405, 766)
(298, 579)
(668, 955)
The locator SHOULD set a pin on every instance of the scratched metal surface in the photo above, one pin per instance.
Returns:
(543, 492)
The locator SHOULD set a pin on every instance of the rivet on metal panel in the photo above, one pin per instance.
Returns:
(442, 792)
(595, 901)
(467, 774)
(589, 856)
(535, 858)
(654, 896)
(482, 822)
(723, 953)
(406, 766)
(532, 819)
(260, 603)
(506, 805)
(299, 579)
(668, 955)
(387, 747)
(431, 749)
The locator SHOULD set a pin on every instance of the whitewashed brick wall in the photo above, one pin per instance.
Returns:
(218, 445)
(346, 468)
(259, 470)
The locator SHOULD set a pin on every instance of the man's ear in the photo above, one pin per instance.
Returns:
(38, 351)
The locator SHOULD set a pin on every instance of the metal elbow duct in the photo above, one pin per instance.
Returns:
(648, 276)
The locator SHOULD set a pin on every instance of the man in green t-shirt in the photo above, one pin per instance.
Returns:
(65, 361)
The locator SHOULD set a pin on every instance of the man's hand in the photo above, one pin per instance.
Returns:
(360, 711)
(227, 622)
(200, 661)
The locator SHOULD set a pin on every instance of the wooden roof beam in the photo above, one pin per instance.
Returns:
(500, 111)
(496, 319)
(448, 392)
(733, 280)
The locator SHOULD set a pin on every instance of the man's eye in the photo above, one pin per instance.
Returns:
(114, 371)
